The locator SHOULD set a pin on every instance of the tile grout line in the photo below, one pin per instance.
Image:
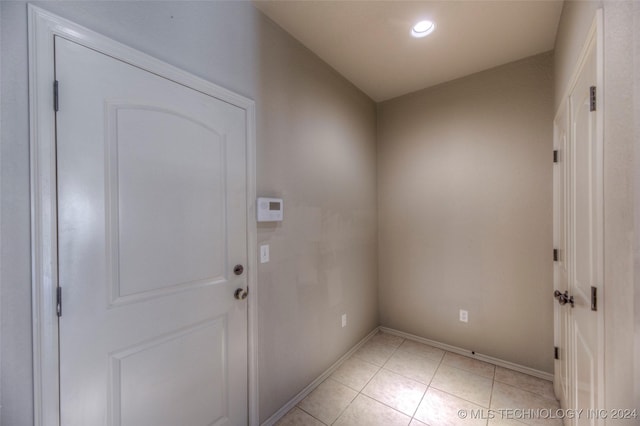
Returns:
(466, 371)
(550, 399)
(425, 391)
(345, 408)
(306, 412)
(457, 396)
(378, 371)
(386, 405)
(440, 363)
(369, 381)
(428, 386)
(468, 354)
(493, 382)
(545, 396)
(310, 388)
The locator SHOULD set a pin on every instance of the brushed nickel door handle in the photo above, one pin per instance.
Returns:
(241, 294)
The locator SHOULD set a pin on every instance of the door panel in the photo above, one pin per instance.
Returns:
(145, 166)
(586, 379)
(153, 383)
(151, 221)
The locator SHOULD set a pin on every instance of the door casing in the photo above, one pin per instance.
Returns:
(43, 26)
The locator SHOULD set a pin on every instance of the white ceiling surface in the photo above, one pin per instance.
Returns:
(369, 42)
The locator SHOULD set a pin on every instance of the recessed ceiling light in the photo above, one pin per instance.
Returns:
(423, 29)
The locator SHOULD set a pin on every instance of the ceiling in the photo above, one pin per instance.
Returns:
(369, 42)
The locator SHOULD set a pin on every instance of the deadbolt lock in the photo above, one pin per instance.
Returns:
(238, 269)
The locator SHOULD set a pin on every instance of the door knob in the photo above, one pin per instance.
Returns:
(241, 294)
(563, 298)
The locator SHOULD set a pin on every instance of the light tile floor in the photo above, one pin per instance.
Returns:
(394, 381)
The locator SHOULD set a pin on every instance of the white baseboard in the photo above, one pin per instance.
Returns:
(496, 361)
(465, 352)
(321, 378)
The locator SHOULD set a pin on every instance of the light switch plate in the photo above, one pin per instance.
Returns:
(264, 253)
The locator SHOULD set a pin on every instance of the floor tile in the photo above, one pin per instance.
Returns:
(328, 400)
(355, 373)
(510, 417)
(469, 364)
(379, 348)
(412, 366)
(442, 409)
(395, 391)
(526, 382)
(510, 397)
(465, 385)
(421, 349)
(391, 379)
(297, 417)
(387, 339)
(365, 411)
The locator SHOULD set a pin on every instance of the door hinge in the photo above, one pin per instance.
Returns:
(555, 155)
(55, 95)
(555, 255)
(59, 301)
(556, 352)
(594, 298)
(592, 98)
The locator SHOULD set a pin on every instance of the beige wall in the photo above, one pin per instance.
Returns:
(619, 142)
(621, 36)
(316, 149)
(465, 212)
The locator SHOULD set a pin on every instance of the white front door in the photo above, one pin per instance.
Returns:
(151, 223)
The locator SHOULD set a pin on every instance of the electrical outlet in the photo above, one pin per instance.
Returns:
(264, 253)
(344, 320)
(464, 315)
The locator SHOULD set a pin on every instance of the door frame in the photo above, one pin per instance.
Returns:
(43, 27)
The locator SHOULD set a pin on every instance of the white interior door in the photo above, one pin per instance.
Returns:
(586, 247)
(561, 269)
(151, 222)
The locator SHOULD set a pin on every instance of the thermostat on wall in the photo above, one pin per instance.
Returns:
(270, 209)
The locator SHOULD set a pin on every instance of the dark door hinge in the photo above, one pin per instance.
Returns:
(55, 95)
(556, 352)
(594, 298)
(592, 98)
(555, 155)
(555, 255)
(59, 301)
